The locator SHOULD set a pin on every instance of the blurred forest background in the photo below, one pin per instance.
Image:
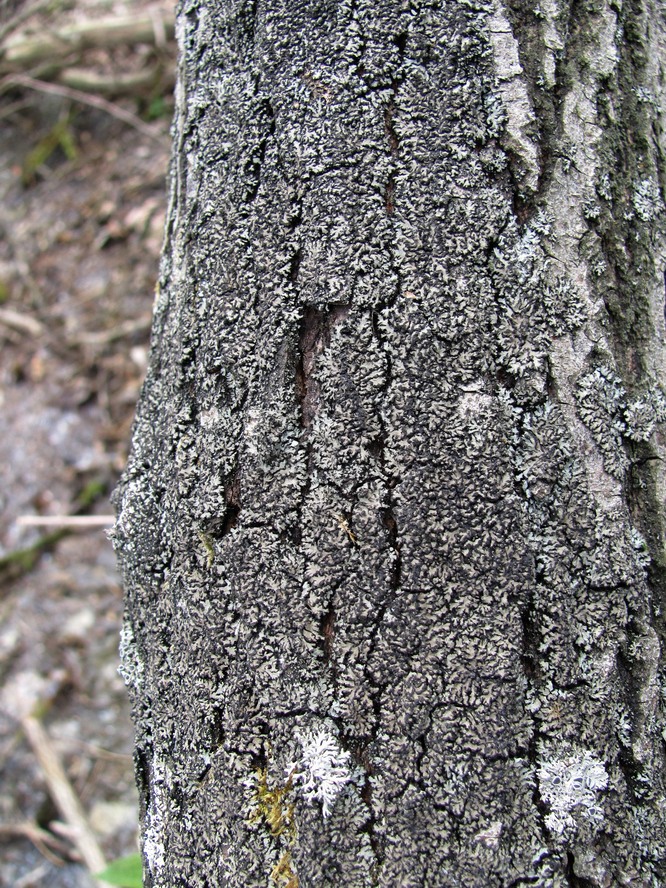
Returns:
(85, 109)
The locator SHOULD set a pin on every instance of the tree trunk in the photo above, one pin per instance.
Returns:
(392, 527)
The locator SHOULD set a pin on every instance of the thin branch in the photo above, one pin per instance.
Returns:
(40, 838)
(98, 752)
(22, 16)
(13, 108)
(75, 95)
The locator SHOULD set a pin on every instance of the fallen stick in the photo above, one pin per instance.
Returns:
(80, 521)
(21, 322)
(21, 51)
(63, 795)
(133, 83)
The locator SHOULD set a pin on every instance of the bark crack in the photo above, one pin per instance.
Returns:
(574, 880)
(314, 337)
(254, 163)
(547, 91)
(327, 631)
(221, 525)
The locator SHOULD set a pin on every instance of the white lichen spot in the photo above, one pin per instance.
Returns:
(645, 97)
(495, 115)
(153, 848)
(131, 667)
(592, 211)
(473, 400)
(323, 769)
(604, 187)
(601, 401)
(572, 784)
(153, 836)
(623, 727)
(126, 512)
(647, 200)
(643, 413)
(640, 547)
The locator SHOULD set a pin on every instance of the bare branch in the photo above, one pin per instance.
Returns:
(83, 98)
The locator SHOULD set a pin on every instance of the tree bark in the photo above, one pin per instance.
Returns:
(392, 528)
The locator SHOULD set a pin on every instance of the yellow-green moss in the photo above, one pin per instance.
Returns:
(271, 808)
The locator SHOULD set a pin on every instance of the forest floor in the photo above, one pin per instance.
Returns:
(82, 197)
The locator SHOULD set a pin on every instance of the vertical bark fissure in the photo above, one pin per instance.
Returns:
(394, 142)
(573, 880)
(314, 337)
(255, 162)
(627, 240)
(378, 449)
(223, 525)
(547, 92)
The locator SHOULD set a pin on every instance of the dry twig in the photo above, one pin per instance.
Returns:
(18, 18)
(83, 522)
(63, 795)
(21, 322)
(75, 95)
(98, 752)
(42, 839)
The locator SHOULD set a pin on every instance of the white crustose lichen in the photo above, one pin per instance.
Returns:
(323, 769)
(571, 784)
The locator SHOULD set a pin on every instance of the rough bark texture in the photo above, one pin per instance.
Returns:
(392, 527)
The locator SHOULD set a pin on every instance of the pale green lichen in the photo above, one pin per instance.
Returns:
(209, 546)
(643, 413)
(647, 200)
(601, 401)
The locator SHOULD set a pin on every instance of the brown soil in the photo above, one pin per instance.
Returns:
(79, 244)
